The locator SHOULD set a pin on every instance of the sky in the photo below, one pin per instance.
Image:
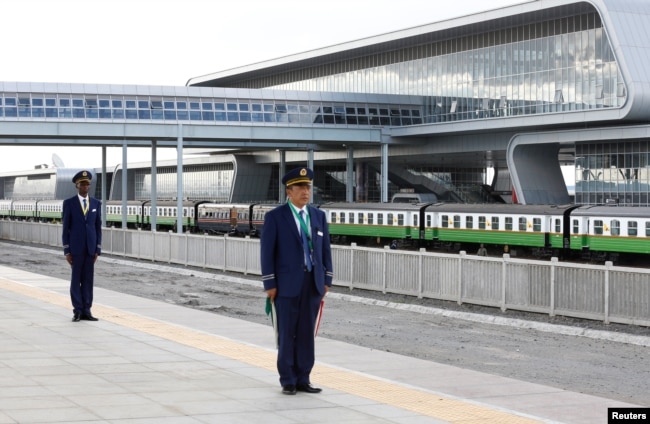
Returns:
(167, 42)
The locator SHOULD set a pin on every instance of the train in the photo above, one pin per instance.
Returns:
(198, 216)
(591, 231)
(594, 231)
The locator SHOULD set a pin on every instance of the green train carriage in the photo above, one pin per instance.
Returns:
(610, 229)
(529, 226)
(374, 222)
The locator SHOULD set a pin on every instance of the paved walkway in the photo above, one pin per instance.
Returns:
(146, 361)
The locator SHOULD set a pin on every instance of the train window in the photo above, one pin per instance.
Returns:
(481, 222)
(428, 220)
(415, 220)
(360, 219)
(380, 219)
(615, 227)
(598, 226)
(342, 217)
(509, 223)
(400, 219)
(456, 221)
(469, 222)
(495, 222)
(522, 223)
(389, 220)
(576, 226)
(371, 217)
(351, 216)
(632, 228)
(537, 224)
(647, 229)
(444, 221)
(333, 217)
(558, 225)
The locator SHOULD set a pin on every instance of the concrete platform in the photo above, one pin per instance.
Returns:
(151, 362)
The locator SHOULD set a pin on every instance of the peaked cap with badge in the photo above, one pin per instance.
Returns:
(298, 176)
(82, 176)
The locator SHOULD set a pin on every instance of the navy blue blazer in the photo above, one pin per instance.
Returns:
(282, 256)
(82, 234)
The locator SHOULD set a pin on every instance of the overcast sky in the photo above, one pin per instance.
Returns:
(167, 42)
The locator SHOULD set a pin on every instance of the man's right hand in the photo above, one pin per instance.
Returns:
(271, 293)
(68, 258)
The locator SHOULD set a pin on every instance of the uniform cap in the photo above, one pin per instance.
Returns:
(82, 176)
(298, 176)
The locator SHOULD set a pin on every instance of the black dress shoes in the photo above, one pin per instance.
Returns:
(76, 318)
(89, 317)
(289, 389)
(308, 388)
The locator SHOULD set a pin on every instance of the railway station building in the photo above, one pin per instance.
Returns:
(519, 90)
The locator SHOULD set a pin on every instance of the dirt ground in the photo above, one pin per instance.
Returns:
(591, 365)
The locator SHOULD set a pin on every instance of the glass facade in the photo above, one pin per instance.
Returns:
(558, 65)
(613, 172)
(16, 106)
(206, 182)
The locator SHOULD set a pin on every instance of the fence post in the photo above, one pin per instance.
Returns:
(247, 238)
(420, 273)
(461, 256)
(352, 247)
(504, 273)
(608, 267)
(554, 262)
(225, 255)
(205, 248)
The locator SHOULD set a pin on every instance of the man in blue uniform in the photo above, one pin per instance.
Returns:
(296, 261)
(82, 244)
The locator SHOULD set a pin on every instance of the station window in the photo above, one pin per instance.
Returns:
(632, 228)
(598, 226)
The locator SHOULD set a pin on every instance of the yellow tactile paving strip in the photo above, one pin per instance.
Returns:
(385, 392)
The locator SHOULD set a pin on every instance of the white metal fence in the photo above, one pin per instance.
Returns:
(599, 292)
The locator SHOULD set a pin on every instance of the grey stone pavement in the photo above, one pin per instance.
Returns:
(146, 361)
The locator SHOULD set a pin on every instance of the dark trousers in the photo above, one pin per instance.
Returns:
(81, 283)
(296, 321)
